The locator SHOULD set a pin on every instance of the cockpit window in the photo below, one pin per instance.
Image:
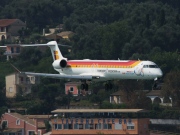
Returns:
(145, 66)
(153, 66)
(150, 66)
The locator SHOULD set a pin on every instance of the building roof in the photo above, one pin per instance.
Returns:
(154, 93)
(12, 130)
(38, 116)
(17, 115)
(65, 33)
(6, 22)
(28, 120)
(98, 110)
(117, 93)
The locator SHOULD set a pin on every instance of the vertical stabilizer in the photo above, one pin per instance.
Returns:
(56, 53)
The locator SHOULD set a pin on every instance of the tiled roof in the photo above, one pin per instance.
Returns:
(17, 115)
(31, 121)
(6, 22)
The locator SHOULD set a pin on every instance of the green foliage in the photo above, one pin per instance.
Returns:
(47, 125)
(107, 105)
(124, 29)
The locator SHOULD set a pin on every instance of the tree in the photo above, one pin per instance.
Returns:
(130, 96)
(161, 19)
(171, 86)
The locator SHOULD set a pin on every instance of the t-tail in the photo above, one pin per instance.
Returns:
(56, 53)
(59, 60)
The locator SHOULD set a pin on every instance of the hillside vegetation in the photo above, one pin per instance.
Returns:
(104, 29)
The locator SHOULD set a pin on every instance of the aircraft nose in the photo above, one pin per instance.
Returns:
(160, 73)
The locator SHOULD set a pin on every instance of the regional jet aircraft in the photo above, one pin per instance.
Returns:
(97, 70)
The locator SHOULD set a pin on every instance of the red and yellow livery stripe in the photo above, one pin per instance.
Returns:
(103, 64)
(56, 55)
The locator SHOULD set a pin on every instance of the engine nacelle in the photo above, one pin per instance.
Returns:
(58, 64)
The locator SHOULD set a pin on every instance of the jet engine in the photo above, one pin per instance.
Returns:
(58, 64)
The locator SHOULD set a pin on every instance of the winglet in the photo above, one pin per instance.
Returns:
(17, 70)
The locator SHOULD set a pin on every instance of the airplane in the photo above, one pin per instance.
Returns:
(97, 70)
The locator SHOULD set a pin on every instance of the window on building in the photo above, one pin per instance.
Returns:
(71, 89)
(21, 79)
(91, 126)
(18, 122)
(31, 132)
(32, 78)
(39, 132)
(10, 89)
(130, 126)
(70, 126)
(19, 133)
(12, 133)
(109, 126)
(57, 126)
(27, 80)
(17, 50)
(118, 126)
(87, 126)
(4, 124)
(76, 126)
(81, 126)
(12, 49)
(105, 126)
(66, 126)
(98, 126)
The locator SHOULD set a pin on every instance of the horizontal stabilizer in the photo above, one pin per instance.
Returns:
(59, 76)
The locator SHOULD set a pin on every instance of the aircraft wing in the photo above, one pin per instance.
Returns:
(59, 76)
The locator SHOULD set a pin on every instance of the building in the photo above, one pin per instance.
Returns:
(17, 124)
(74, 89)
(116, 97)
(20, 83)
(100, 121)
(65, 34)
(155, 96)
(11, 50)
(9, 28)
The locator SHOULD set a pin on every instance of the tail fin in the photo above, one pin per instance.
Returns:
(55, 51)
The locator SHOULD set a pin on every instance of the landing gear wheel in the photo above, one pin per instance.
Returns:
(84, 86)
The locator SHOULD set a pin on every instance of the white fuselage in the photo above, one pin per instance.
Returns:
(112, 69)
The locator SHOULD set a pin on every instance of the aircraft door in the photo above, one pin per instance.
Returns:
(94, 67)
(139, 70)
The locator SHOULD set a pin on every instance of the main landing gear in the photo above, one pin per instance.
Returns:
(157, 84)
(84, 86)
